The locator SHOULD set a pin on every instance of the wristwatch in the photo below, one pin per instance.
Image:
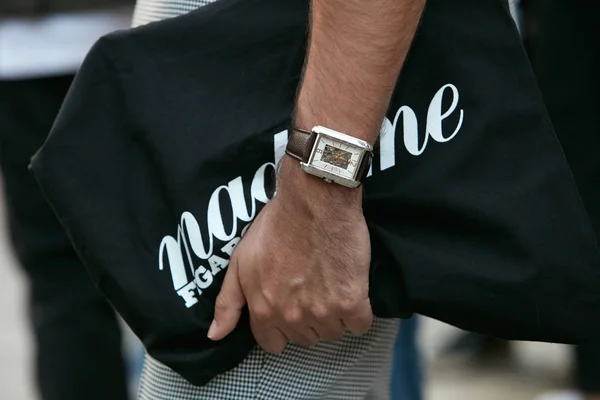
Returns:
(330, 155)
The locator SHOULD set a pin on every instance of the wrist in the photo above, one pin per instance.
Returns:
(312, 195)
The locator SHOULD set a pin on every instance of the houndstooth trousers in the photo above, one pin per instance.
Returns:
(147, 11)
(356, 368)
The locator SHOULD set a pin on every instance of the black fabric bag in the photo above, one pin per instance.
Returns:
(166, 146)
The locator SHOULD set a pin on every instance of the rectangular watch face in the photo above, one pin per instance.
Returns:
(336, 156)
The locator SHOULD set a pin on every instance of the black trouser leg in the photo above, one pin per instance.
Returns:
(587, 368)
(563, 43)
(76, 333)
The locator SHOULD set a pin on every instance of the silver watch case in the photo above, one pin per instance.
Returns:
(329, 176)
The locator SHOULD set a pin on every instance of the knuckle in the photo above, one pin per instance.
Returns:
(293, 316)
(269, 296)
(320, 312)
(221, 303)
(262, 313)
(348, 306)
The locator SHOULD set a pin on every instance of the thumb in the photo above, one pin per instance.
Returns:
(229, 304)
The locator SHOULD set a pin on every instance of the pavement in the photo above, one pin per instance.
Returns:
(533, 368)
(15, 341)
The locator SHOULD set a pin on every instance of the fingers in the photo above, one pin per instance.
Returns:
(295, 324)
(331, 332)
(273, 337)
(272, 332)
(267, 334)
(327, 326)
(359, 318)
(229, 304)
(273, 329)
(307, 337)
(271, 340)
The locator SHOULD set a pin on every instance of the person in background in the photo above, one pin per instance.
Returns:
(407, 381)
(76, 333)
(563, 40)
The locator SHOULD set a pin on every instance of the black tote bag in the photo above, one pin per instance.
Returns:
(166, 146)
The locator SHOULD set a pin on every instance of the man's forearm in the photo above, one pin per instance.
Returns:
(356, 51)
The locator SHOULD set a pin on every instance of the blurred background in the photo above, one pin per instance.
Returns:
(561, 37)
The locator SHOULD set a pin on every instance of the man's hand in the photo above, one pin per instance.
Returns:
(302, 267)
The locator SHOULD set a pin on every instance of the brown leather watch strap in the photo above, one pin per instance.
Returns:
(300, 144)
(364, 168)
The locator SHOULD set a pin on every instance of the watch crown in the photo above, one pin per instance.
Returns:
(327, 180)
